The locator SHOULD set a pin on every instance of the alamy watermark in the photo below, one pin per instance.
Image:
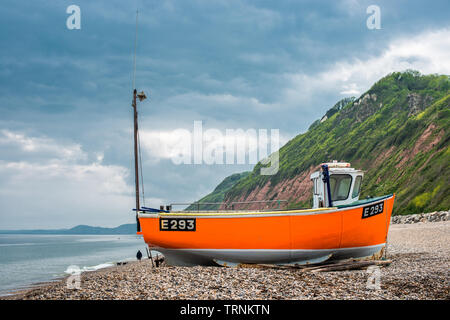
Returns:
(374, 20)
(374, 279)
(74, 280)
(234, 146)
(74, 20)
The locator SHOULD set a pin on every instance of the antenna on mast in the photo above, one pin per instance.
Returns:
(134, 57)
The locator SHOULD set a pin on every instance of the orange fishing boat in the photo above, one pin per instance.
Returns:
(345, 228)
(338, 226)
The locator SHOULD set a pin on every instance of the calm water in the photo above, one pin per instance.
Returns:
(28, 259)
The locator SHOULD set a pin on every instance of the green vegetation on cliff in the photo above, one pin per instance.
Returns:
(398, 132)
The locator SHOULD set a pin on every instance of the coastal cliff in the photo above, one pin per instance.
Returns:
(397, 131)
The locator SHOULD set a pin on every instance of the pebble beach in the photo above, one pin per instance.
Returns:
(419, 251)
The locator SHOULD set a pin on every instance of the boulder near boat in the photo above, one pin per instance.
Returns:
(338, 226)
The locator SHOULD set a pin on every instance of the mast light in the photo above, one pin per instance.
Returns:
(141, 96)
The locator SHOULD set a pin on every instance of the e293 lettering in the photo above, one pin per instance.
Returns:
(373, 210)
(177, 224)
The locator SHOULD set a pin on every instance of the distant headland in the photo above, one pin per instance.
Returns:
(80, 229)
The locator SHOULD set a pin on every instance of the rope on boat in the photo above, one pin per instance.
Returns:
(140, 167)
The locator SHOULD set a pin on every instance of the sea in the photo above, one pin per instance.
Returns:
(30, 259)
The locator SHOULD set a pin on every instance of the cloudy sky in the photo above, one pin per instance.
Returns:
(66, 121)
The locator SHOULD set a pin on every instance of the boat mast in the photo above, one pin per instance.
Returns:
(136, 163)
(136, 159)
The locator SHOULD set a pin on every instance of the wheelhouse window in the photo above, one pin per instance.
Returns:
(316, 186)
(357, 187)
(340, 186)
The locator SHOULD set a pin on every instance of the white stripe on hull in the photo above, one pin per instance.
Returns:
(191, 257)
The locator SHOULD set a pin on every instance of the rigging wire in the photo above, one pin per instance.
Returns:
(134, 57)
(140, 167)
(133, 80)
(133, 88)
(130, 153)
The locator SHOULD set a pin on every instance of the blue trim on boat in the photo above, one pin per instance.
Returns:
(153, 210)
(145, 209)
(364, 201)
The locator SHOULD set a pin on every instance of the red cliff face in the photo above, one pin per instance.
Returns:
(298, 188)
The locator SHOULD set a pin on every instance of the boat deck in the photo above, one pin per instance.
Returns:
(241, 212)
(263, 212)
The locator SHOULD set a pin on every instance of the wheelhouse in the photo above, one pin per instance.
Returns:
(340, 181)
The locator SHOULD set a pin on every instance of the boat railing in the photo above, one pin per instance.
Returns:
(227, 205)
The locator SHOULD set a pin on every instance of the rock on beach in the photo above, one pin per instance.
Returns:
(422, 217)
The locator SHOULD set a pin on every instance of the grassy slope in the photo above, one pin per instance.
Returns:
(376, 134)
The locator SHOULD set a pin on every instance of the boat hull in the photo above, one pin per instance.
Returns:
(279, 237)
(191, 257)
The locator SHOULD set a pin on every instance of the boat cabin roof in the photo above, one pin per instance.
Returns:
(337, 168)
